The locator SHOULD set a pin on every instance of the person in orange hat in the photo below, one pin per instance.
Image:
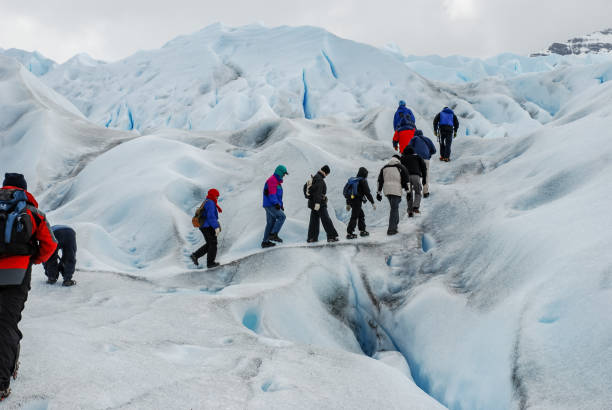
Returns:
(208, 218)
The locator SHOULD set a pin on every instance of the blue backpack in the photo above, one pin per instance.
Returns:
(16, 226)
(351, 188)
(447, 117)
(406, 121)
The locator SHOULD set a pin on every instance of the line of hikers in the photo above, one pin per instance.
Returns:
(408, 172)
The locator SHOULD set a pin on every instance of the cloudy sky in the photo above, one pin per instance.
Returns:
(112, 29)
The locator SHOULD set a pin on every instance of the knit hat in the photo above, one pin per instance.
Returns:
(408, 150)
(402, 103)
(213, 194)
(281, 171)
(325, 168)
(16, 180)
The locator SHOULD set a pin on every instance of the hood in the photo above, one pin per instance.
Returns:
(447, 110)
(393, 161)
(418, 133)
(29, 196)
(362, 173)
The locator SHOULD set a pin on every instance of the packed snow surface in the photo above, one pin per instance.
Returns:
(496, 297)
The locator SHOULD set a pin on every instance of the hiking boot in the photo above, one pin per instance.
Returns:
(392, 232)
(410, 215)
(426, 195)
(334, 239)
(447, 159)
(51, 281)
(351, 236)
(5, 393)
(267, 244)
(364, 233)
(213, 265)
(69, 282)
(441, 158)
(416, 210)
(194, 259)
(312, 240)
(274, 237)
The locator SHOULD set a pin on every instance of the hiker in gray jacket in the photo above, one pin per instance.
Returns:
(392, 179)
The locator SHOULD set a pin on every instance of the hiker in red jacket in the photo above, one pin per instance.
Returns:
(28, 241)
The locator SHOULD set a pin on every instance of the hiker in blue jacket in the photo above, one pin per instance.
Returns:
(445, 127)
(275, 209)
(209, 226)
(403, 127)
(424, 148)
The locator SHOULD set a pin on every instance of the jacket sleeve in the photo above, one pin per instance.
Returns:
(395, 120)
(381, 180)
(366, 190)
(455, 122)
(46, 240)
(316, 191)
(430, 145)
(436, 121)
(272, 192)
(403, 176)
(211, 214)
(423, 167)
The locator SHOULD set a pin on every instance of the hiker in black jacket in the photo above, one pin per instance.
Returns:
(417, 171)
(317, 202)
(354, 203)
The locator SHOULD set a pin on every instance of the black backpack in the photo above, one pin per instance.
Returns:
(16, 227)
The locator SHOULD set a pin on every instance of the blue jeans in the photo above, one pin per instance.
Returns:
(275, 218)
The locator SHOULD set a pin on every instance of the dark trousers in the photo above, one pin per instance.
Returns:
(357, 216)
(313, 228)
(210, 247)
(65, 265)
(445, 145)
(12, 302)
(394, 201)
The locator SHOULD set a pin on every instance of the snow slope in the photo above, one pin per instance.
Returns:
(497, 297)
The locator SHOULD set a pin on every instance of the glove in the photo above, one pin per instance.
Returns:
(437, 133)
(217, 231)
(317, 207)
(277, 206)
(455, 134)
(395, 145)
(219, 228)
(348, 207)
(282, 207)
(378, 197)
(424, 181)
(374, 206)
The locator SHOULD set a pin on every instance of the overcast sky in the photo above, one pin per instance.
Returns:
(112, 29)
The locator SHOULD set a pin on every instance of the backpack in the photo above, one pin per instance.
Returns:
(405, 120)
(351, 188)
(16, 227)
(307, 186)
(447, 117)
(195, 221)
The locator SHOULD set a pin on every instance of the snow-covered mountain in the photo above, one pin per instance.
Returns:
(35, 62)
(594, 43)
(497, 296)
